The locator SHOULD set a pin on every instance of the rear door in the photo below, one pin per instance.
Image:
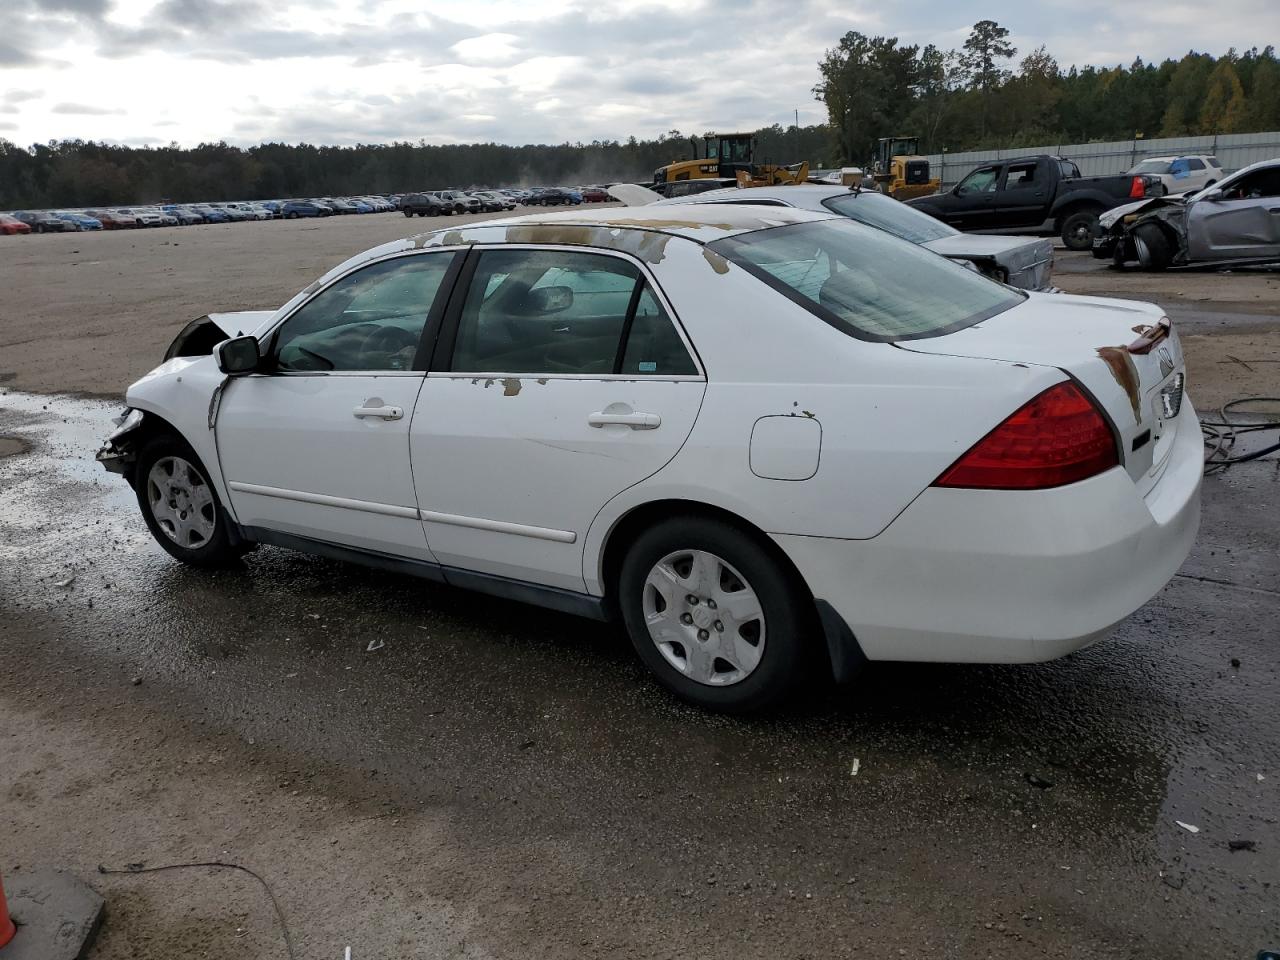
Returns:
(561, 378)
(1240, 222)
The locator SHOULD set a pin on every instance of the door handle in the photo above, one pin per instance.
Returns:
(636, 421)
(381, 412)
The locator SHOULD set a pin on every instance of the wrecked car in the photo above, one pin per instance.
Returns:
(1235, 222)
(1025, 262)
(765, 440)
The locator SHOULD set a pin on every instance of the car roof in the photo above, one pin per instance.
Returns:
(700, 223)
(789, 193)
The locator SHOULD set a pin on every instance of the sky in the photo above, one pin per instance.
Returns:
(508, 71)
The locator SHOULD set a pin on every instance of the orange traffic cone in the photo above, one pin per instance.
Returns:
(7, 929)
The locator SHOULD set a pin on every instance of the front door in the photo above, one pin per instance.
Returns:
(972, 202)
(563, 380)
(1240, 222)
(317, 445)
(1021, 198)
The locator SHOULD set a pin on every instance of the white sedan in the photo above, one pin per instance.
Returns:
(762, 438)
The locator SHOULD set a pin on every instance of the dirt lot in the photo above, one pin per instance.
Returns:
(90, 313)
(422, 772)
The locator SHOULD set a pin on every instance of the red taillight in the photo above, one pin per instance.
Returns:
(1138, 188)
(1055, 438)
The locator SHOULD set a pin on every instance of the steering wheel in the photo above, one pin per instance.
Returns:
(385, 341)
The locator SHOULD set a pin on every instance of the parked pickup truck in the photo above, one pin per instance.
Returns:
(1033, 192)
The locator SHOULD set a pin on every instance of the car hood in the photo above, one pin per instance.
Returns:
(1096, 341)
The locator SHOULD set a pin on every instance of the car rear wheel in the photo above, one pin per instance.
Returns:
(1079, 229)
(1152, 246)
(713, 615)
(180, 506)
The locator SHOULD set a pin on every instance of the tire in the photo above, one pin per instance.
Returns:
(1079, 229)
(191, 524)
(764, 662)
(292, 215)
(1154, 250)
(408, 213)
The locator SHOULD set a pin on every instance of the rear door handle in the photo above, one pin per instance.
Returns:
(382, 413)
(636, 421)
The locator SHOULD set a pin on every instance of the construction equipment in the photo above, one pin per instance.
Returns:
(731, 156)
(900, 171)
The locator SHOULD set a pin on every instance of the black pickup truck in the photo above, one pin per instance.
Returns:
(1034, 191)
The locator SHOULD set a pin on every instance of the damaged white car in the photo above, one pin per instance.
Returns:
(1235, 222)
(763, 439)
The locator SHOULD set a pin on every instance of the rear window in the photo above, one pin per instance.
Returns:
(885, 213)
(866, 283)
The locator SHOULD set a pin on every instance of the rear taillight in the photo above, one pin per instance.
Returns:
(1138, 188)
(1057, 437)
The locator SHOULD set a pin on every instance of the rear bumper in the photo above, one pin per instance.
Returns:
(1010, 577)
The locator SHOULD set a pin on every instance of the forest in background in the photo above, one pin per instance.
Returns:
(981, 96)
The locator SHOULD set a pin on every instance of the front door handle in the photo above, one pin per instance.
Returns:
(382, 412)
(636, 421)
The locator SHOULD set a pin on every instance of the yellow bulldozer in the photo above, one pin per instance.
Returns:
(900, 171)
(730, 156)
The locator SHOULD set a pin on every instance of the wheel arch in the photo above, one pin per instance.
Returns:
(844, 655)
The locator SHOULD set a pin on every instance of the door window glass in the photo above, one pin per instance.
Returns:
(1020, 175)
(1195, 163)
(556, 312)
(980, 181)
(369, 320)
(654, 348)
(544, 311)
(1255, 186)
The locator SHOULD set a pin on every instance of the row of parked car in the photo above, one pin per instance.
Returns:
(426, 203)
(435, 203)
(184, 214)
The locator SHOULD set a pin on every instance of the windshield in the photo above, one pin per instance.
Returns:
(865, 282)
(1151, 166)
(885, 213)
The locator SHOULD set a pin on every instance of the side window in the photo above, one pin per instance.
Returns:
(1068, 169)
(654, 347)
(369, 320)
(1195, 163)
(544, 311)
(555, 312)
(1258, 185)
(980, 181)
(1020, 175)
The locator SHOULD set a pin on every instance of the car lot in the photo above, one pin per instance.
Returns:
(422, 766)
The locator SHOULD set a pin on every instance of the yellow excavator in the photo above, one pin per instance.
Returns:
(900, 171)
(730, 156)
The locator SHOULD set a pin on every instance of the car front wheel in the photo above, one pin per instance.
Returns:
(713, 615)
(180, 506)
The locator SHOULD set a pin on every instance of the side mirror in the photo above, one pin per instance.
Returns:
(237, 356)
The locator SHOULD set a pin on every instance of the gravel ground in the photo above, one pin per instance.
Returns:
(420, 771)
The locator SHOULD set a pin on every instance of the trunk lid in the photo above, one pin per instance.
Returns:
(1118, 350)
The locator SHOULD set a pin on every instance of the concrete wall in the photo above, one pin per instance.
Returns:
(1102, 159)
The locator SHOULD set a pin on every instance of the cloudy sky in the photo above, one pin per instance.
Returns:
(512, 71)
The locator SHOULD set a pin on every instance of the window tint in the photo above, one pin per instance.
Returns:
(885, 213)
(1257, 185)
(1068, 168)
(369, 320)
(654, 347)
(1020, 175)
(865, 282)
(556, 312)
(1213, 162)
(980, 181)
(1195, 163)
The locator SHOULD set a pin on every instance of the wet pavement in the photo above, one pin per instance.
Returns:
(575, 809)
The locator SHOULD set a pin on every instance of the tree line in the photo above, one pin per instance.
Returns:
(977, 97)
(982, 97)
(79, 173)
